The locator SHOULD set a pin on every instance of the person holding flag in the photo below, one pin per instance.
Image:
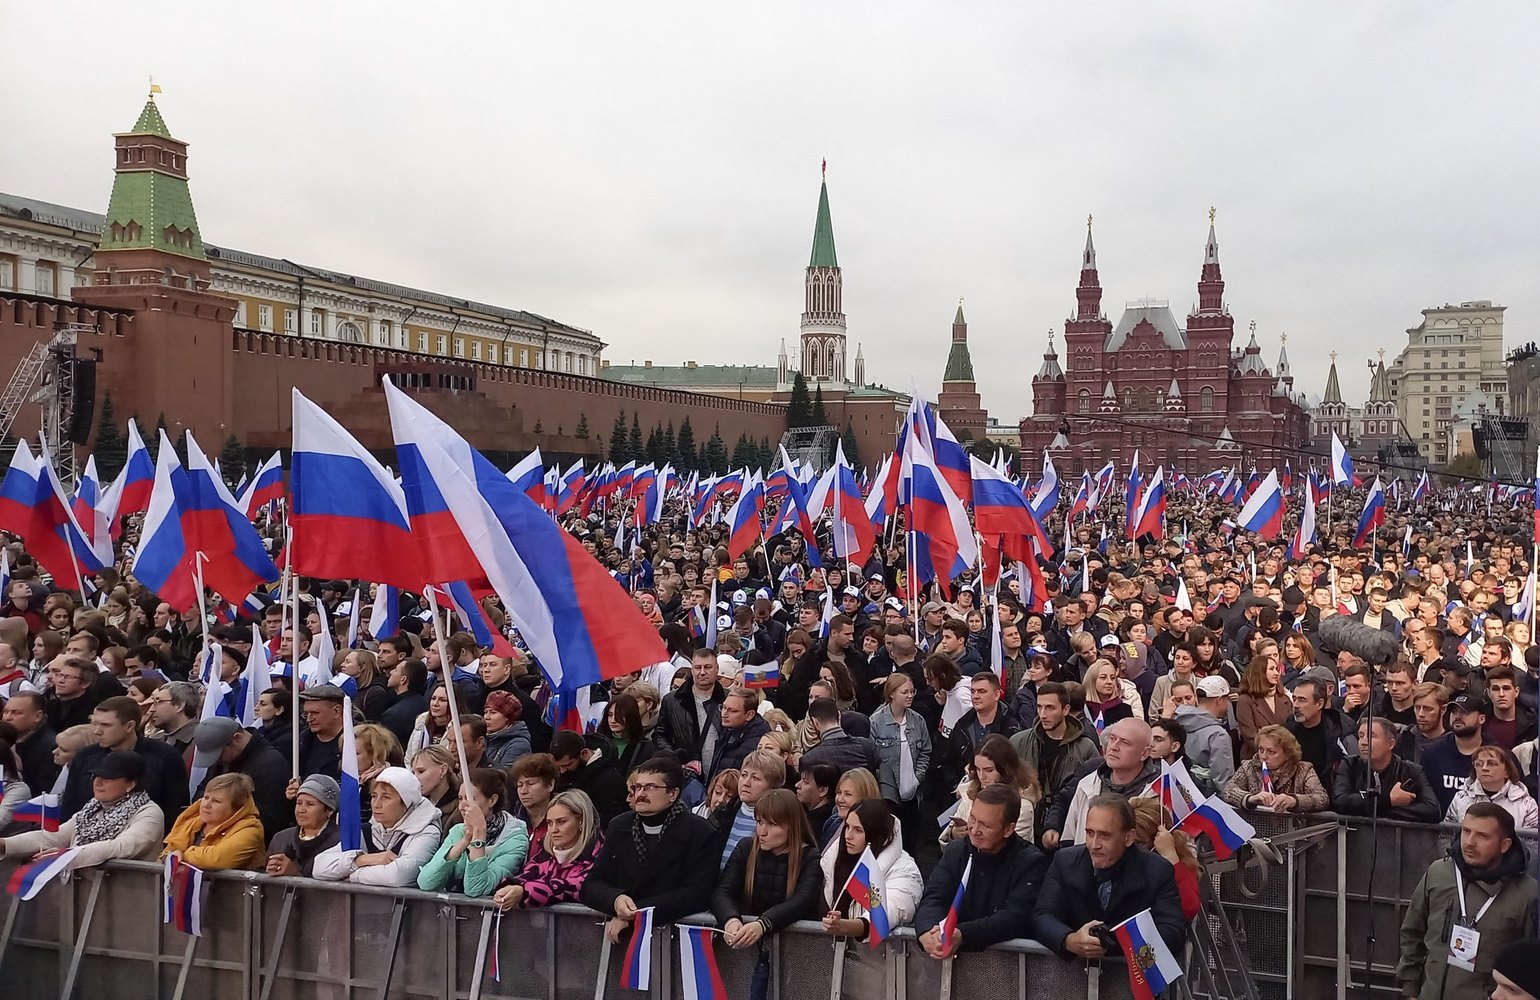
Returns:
(120, 821)
(222, 829)
(401, 836)
(1094, 886)
(1276, 779)
(985, 888)
(870, 883)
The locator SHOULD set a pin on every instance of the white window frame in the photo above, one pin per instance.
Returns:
(317, 322)
(240, 314)
(290, 320)
(441, 344)
(475, 350)
(459, 347)
(384, 333)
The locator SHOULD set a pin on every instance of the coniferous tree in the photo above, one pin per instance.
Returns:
(232, 461)
(744, 454)
(620, 445)
(852, 449)
(581, 431)
(820, 416)
(634, 442)
(655, 455)
(685, 447)
(669, 445)
(714, 456)
(799, 410)
(767, 454)
(160, 428)
(111, 449)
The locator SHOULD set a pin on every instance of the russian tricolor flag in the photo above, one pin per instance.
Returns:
(868, 888)
(29, 880)
(1152, 968)
(1047, 496)
(1373, 514)
(949, 923)
(215, 526)
(267, 485)
(579, 624)
(699, 977)
(1341, 463)
(744, 522)
(1226, 830)
(636, 969)
(32, 504)
(529, 476)
(43, 810)
(1150, 510)
(347, 513)
(1304, 536)
(879, 502)
(138, 475)
(163, 562)
(938, 520)
(184, 896)
(1263, 512)
(350, 824)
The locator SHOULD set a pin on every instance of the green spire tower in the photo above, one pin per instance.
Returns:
(823, 307)
(150, 234)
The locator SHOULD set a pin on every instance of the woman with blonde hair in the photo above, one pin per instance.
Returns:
(1152, 829)
(723, 789)
(434, 768)
(1275, 778)
(996, 762)
(772, 879)
(222, 829)
(1109, 696)
(1263, 700)
(1495, 777)
(372, 696)
(378, 749)
(562, 859)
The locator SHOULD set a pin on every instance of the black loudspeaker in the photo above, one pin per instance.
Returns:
(83, 400)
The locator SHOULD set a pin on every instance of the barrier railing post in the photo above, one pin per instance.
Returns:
(184, 967)
(1343, 971)
(479, 967)
(449, 944)
(10, 927)
(837, 977)
(397, 912)
(270, 969)
(67, 988)
(604, 967)
(550, 956)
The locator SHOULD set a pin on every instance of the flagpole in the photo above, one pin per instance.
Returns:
(203, 611)
(294, 680)
(449, 682)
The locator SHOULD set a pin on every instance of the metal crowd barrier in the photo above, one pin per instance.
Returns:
(100, 934)
(1296, 930)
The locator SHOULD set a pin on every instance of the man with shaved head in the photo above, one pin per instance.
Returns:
(1125, 768)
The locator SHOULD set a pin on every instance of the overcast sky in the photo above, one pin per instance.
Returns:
(650, 171)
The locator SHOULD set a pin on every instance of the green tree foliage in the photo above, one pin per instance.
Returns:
(685, 447)
(852, 448)
(620, 445)
(1466, 464)
(669, 446)
(638, 449)
(745, 454)
(111, 449)
(232, 461)
(581, 431)
(799, 411)
(714, 456)
(820, 416)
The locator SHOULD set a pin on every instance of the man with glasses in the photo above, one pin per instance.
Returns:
(174, 709)
(70, 697)
(657, 855)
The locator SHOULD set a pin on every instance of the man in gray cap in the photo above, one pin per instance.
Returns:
(320, 744)
(223, 747)
(932, 617)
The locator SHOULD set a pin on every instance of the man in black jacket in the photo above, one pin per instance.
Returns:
(740, 728)
(986, 718)
(1072, 620)
(1002, 887)
(1325, 734)
(115, 725)
(691, 715)
(408, 681)
(839, 646)
(35, 745)
(659, 854)
(1397, 788)
(589, 764)
(223, 747)
(1096, 885)
(835, 747)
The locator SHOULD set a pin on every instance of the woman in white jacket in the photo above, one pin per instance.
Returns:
(400, 838)
(869, 823)
(120, 821)
(1495, 778)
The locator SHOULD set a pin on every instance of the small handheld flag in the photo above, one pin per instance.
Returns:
(350, 826)
(700, 979)
(867, 887)
(29, 880)
(184, 896)
(42, 810)
(1226, 830)
(636, 970)
(1152, 968)
(949, 924)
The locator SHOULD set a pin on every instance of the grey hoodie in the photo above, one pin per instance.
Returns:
(1208, 743)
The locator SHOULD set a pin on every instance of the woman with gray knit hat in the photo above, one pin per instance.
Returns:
(293, 851)
(399, 838)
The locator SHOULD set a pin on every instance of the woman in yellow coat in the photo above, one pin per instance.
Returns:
(220, 830)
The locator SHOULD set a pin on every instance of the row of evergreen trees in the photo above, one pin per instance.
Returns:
(677, 447)
(111, 450)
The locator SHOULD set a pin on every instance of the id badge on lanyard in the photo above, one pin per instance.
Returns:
(1464, 939)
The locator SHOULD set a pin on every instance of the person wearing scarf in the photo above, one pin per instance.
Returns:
(1484, 878)
(119, 821)
(659, 854)
(485, 848)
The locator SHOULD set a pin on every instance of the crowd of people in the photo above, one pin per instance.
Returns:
(837, 709)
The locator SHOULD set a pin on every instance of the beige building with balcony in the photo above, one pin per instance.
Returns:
(1452, 358)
